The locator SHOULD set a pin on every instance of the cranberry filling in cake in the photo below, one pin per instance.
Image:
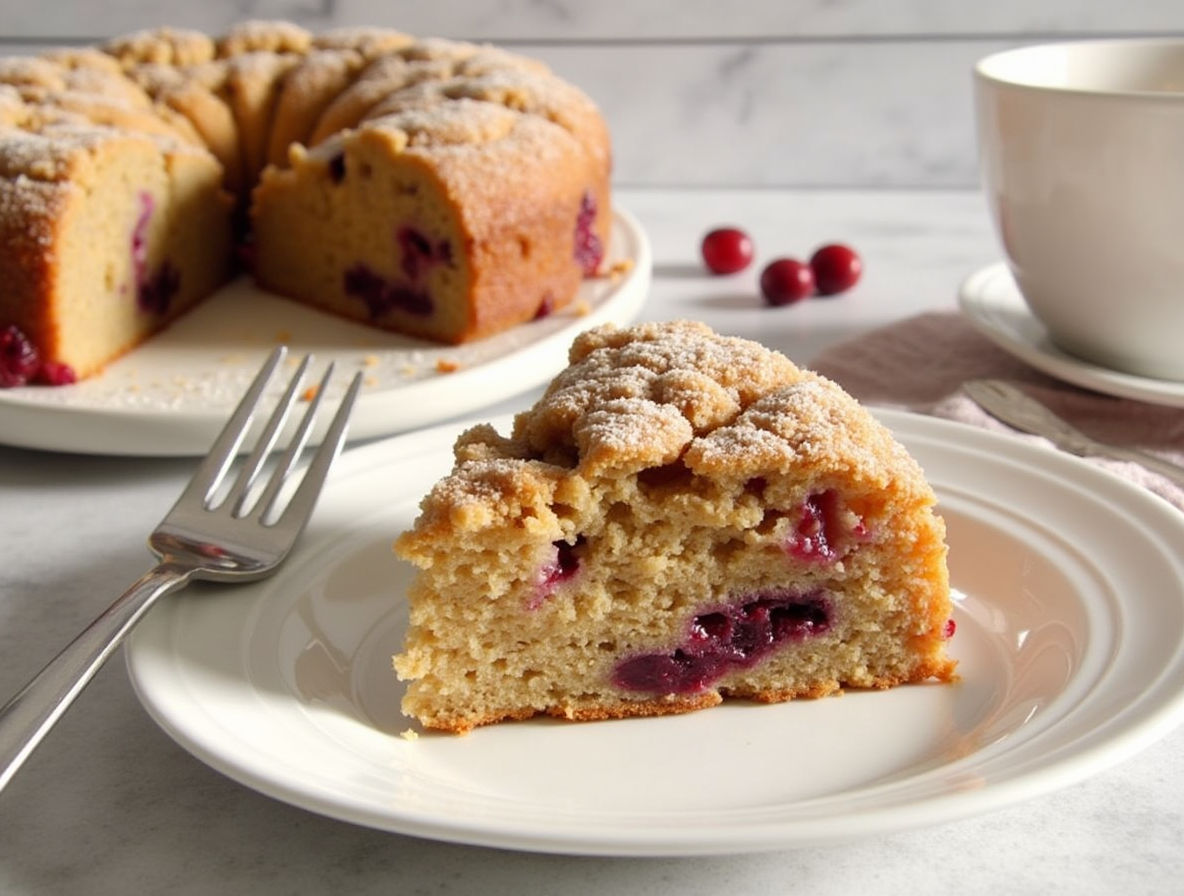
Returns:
(683, 517)
(589, 251)
(558, 569)
(719, 640)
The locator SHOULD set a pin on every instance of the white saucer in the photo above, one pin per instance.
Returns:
(992, 301)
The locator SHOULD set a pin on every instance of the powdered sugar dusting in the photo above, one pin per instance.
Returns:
(626, 387)
(164, 46)
(258, 35)
(728, 408)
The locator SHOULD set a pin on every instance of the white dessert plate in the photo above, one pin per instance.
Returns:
(172, 395)
(993, 303)
(1070, 638)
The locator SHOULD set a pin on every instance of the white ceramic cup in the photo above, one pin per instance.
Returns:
(1082, 153)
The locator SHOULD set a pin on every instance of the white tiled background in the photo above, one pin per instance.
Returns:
(799, 93)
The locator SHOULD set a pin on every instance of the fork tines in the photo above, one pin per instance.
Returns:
(239, 500)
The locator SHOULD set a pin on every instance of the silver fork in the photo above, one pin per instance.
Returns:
(238, 534)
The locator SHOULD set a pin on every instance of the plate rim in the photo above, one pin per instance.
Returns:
(1152, 722)
(27, 421)
(992, 302)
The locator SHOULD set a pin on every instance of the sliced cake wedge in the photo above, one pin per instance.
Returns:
(682, 517)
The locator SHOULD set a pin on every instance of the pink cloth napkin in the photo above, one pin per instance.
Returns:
(920, 363)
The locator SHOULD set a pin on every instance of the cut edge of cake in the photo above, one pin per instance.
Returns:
(682, 517)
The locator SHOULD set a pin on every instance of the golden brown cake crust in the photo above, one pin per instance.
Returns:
(161, 46)
(483, 150)
(677, 466)
(261, 96)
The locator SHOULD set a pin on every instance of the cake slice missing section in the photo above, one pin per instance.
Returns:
(681, 518)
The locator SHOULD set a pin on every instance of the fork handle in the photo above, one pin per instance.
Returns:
(28, 716)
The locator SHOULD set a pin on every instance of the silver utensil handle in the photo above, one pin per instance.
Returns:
(1165, 468)
(28, 716)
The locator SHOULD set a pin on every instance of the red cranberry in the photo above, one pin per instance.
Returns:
(719, 640)
(155, 294)
(589, 251)
(380, 296)
(546, 306)
(786, 281)
(567, 562)
(554, 573)
(55, 373)
(819, 530)
(836, 268)
(19, 358)
(140, 237)
(727, 250)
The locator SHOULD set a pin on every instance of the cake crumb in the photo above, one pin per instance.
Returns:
(618, 269)
(409, 734)
(371, 361)
(447, 365)
(310, 393)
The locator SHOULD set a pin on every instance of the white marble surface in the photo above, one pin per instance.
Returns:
(612, 20)
(109, 805)
(814, 102)
(811, 93)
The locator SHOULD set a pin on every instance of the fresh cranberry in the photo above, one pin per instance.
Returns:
(949, 629)
(19, 358)
(836, 268)
(726, 250)
(726, 638)
(786, 281)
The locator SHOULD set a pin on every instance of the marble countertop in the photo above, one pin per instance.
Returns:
(109, 804)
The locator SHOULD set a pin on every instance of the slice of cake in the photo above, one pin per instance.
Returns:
(682, 517)
(139, 229)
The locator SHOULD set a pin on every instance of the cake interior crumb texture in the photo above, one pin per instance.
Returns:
(683, 517)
